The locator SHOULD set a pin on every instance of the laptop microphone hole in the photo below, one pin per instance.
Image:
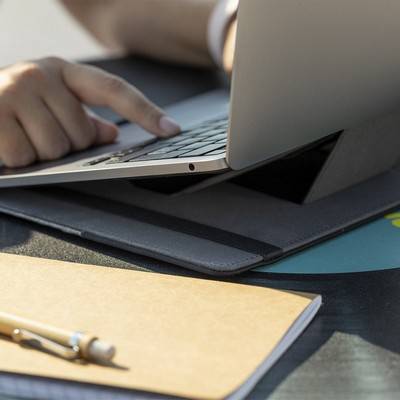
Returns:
(192, 167)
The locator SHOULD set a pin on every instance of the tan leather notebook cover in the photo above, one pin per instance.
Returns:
(178, 336)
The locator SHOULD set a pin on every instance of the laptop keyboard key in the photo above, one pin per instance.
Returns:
(175, 139)
(154, 157)
(216, 152)
(163, 150)
(223, 141)
(203, 150)
(193, 146)
(188, 141)
(128, 157)
(197, 131)
(220, 137)
(212, 132)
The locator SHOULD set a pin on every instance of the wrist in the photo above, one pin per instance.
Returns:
(219, 29)
(228, 54)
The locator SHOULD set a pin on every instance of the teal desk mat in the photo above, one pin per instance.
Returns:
(372, 247)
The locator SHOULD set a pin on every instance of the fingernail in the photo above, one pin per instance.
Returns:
(169, 126)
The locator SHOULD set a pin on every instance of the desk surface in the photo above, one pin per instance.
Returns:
(351, 350)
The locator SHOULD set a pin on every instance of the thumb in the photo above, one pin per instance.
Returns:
(106, 132)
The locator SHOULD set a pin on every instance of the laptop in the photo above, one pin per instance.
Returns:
(303, 70)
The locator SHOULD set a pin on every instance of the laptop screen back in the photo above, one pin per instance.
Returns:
(307, 68)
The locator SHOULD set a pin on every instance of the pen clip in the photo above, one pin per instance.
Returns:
(23, 336)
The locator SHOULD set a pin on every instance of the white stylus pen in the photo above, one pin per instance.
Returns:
(66, 344)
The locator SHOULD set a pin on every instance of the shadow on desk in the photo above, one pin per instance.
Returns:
(358, 311)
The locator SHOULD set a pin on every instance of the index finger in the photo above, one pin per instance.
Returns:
(97, 87)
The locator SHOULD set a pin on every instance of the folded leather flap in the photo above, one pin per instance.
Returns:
(127, 233)
(177, 248)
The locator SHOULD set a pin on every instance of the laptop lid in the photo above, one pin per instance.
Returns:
(308, 68)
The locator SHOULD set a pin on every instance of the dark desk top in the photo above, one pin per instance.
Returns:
(352, 348)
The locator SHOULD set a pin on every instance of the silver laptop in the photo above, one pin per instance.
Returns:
(303, 70)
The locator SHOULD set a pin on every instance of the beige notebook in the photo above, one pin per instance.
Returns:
(178, 336)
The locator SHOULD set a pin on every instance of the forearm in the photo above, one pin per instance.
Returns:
(172, 30)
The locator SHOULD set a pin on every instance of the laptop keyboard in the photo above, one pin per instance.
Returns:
(207, 139)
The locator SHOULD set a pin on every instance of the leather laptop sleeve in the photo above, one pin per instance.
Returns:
(251, 220)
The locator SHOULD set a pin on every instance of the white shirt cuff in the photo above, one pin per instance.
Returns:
(222, 15)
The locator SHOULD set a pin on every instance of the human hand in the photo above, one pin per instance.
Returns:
(229, 47)
(42, 116)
